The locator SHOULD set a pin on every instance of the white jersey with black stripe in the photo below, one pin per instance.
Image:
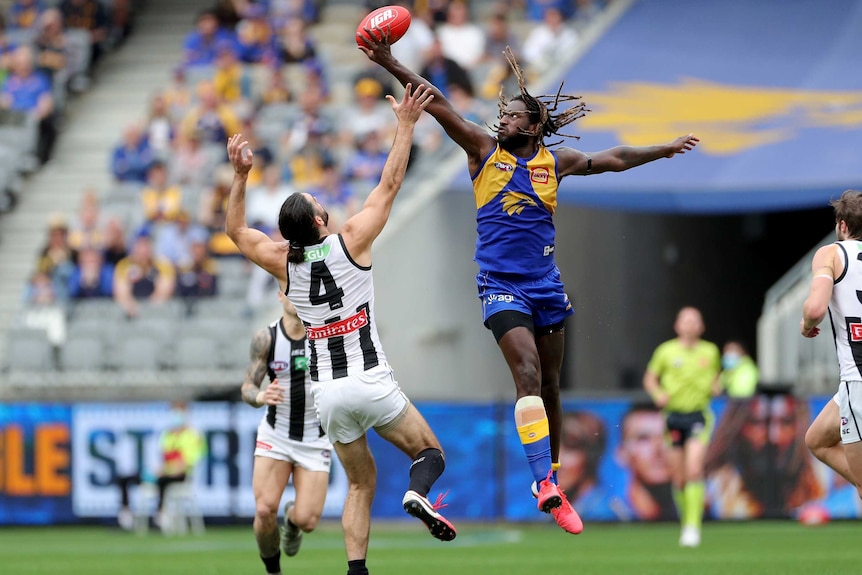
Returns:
(334, 298)
(845, 311)
(295, 418)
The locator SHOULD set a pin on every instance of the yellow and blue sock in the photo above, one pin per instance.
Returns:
(532, 424)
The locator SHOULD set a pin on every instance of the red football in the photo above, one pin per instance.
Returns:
(394, 18)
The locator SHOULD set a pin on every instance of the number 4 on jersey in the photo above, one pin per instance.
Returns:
(322, 278)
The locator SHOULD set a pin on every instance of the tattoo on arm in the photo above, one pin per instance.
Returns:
(257, 368)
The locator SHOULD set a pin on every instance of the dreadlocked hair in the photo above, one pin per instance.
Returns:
(544, 110)
(296, 224)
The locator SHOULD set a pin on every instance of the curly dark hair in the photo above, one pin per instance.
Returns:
(543, 109)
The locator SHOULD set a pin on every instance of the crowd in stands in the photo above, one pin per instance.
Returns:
(254, 68)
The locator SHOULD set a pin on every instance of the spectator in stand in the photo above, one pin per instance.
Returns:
(370, 114)
(173, 240)
(199, 276)
(44, 309)
(190, 164)
(468, 106)
(412, 48)
(462, 40)
(50, 46)
(89, 15)
(499, 35)
(40, 290)
(312, 127)
(334, 192)
(178, 96)
(263, 156)
(443, 71)
(58, 258)
(306, 10)
(27, 92)
(535, 9)
(264, 201)
(132, 157)
(256, 38)
(87, 231)
(294, 45)
(365, 164)
(211, 118)
(201, 45)
(229, 75)
(213, 211)
(547, 41)
(92, 277)
(23, 14)
(143, 276)
(114, 246)
(160, 201)
(160, 128)
(314, 76)
(276, 90)
(7, 48)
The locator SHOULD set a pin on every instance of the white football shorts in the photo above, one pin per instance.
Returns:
(850, 409)
(314, 456)
(350, 406)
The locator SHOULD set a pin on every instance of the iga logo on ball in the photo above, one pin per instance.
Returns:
(395, 19)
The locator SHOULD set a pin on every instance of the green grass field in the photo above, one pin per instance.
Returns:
(762, 548)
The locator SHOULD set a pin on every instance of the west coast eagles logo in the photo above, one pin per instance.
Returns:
(515, 202)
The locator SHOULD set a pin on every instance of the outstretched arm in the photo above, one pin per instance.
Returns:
(620, 158)
(362, 228)
(825, 266)
(255, 372)
(254, 244)
(474, 139)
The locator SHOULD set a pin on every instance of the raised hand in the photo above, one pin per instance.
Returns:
(239, 154)
(410, 108)
(683, 144)
(376, 50)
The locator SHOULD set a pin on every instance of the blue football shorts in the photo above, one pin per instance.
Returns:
(544, 299)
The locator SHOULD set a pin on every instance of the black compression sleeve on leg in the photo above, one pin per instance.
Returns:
(357, 567)
(425, 470)
(272, 564)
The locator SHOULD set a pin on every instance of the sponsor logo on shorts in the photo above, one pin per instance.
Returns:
(343, 327)
(539, 175)
(504, 167)
(261, 445)
(855, 331)
(326, 454)
(500, 297)
(278, 365)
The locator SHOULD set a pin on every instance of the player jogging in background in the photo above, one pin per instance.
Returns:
(835, 290)
(328, 279)
(681, 378)
(290, 441)
(524, 303)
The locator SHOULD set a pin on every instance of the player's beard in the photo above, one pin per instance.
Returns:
(513, 142)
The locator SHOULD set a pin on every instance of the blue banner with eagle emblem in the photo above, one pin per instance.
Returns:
(772, 88)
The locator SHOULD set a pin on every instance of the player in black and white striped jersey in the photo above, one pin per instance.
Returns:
(328, 278)
(290, 441)
(835, 290)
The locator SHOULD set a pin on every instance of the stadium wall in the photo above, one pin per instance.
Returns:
(58, 462)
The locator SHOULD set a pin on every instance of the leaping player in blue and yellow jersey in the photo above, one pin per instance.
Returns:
(515, 179)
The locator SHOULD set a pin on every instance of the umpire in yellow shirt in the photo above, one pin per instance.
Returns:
(681, 378)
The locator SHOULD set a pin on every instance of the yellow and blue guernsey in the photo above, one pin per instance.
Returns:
(515, 201)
